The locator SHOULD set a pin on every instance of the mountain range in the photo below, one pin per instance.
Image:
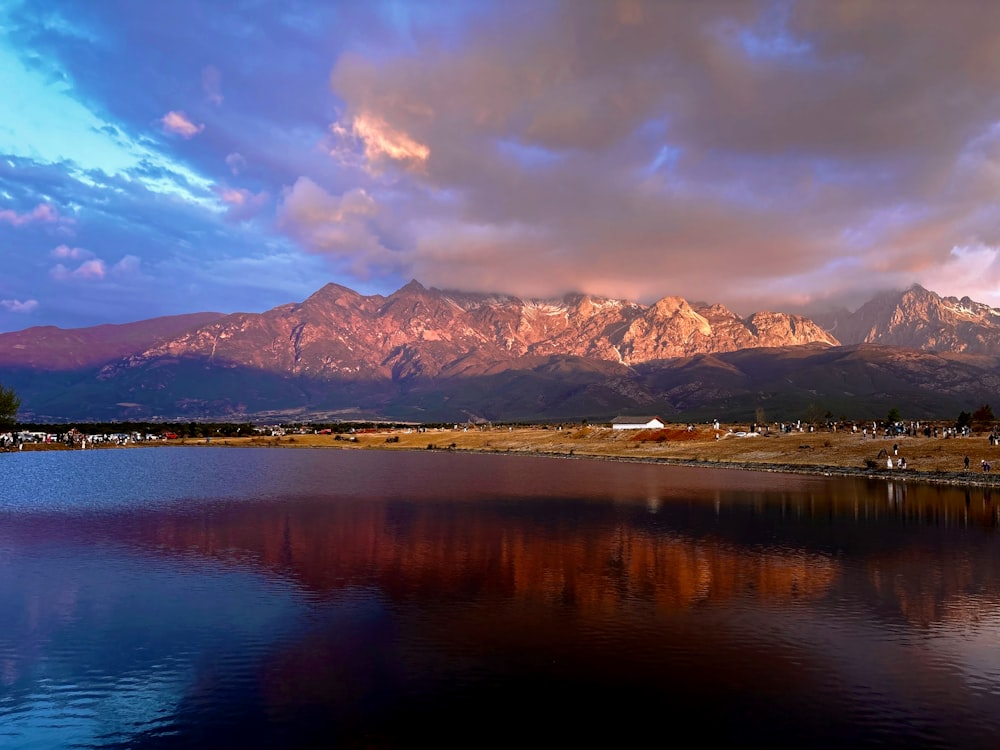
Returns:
(429, 355)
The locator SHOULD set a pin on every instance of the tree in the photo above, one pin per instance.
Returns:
(983, 416)
(814, 414)
(894, 416)
(9, 406)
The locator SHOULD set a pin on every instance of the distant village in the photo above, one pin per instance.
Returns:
(81, 436)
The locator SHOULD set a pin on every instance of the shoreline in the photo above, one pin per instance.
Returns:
(963, 479)
(931, 460)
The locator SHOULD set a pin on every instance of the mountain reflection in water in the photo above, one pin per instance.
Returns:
(195, 597)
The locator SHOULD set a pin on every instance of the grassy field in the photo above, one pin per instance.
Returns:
(930, 458)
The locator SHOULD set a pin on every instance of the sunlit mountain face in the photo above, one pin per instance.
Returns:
(425, 354)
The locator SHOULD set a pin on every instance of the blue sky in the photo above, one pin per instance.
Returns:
(233, 156)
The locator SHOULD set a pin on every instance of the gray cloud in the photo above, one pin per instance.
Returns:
(743, 152)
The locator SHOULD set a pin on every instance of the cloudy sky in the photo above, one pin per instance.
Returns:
(169, 157)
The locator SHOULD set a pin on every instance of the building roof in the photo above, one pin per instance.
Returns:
(634, 420)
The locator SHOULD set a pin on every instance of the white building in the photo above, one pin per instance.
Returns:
(637, 423)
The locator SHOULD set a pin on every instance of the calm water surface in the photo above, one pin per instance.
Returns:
(213, 597)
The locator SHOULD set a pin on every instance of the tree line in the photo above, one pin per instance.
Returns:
(10, 404)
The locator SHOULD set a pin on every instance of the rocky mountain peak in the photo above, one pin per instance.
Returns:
(344, 348)
(331, 292)
(679, 311)
(420, 331)
(917, 318)
(411, 287)
(333, 297)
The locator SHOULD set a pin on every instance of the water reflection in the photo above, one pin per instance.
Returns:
(841, 611)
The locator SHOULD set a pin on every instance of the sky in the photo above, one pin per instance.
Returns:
(236, 155)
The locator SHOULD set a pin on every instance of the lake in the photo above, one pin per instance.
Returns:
(205, 597)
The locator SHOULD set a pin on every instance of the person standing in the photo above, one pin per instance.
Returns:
(966, 463)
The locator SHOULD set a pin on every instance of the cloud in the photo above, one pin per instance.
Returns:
(236, 163)
(379, 141)
(71, 253)
(967, 267)
(232, 196)
(756, 153)
(721, 151)
(89, 270)
(96, 269)
(129, 265)
(43, 213)
(211, 84)
(19, 306)
(242, 203)
(344, 227)
(178, 122)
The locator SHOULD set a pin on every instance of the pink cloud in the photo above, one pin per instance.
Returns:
(127, 266)
(89, 270)
(379, 141)
(242, 203)
(211, 84)
(71, 253)
(18, 306)
(344, 227)
(236, 163)
(43, 213)
(179, 123)
(232, 196)
(631, 148)
(92, 268)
